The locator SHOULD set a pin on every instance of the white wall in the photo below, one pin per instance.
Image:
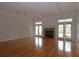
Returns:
(13, 26)
(77, 25)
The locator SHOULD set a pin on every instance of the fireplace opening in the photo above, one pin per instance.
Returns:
(49, 32)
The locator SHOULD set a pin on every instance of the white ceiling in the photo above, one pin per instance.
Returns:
(36, 9)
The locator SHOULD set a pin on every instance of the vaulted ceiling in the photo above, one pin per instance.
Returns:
(38, 9)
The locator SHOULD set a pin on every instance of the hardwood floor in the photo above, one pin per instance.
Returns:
(36, 47)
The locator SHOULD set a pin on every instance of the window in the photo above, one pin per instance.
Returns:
(65, 20)
(38, 23)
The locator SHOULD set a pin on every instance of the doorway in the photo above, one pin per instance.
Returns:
(64, 30)
(38, 28)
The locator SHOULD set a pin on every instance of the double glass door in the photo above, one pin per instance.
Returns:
(64, 30)
(38, 30)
